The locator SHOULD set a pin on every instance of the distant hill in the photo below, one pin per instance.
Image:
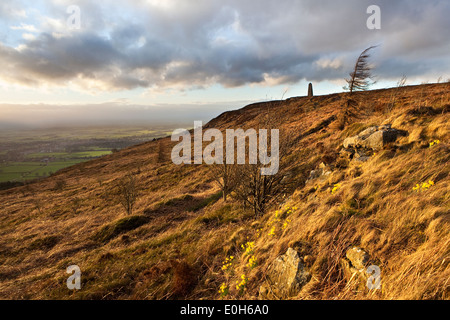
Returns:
(178, 241)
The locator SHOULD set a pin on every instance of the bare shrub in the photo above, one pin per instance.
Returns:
(225, 175)
(258, 190)
(400, 84)
(127, 192)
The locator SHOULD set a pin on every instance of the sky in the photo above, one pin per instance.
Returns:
(156, 61)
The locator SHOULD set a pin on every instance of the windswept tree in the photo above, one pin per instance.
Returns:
(361, 76)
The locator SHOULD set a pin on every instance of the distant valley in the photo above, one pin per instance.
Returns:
(33, 154)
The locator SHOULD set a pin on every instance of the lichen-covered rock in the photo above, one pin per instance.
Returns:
(286, 277)
(357, 257)
(374, 138)
(354, 267)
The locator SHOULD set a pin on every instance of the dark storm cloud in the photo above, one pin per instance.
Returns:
(189, 44)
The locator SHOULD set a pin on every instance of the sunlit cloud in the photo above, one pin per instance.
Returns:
(170, 48)
(216, 42)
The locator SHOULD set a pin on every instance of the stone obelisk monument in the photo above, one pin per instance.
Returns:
(310, 90)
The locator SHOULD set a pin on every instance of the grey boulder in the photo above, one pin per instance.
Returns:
(374, 138)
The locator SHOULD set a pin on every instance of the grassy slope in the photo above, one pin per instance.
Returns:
(175, 246)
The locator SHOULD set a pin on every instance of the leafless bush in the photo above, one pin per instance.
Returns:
(225, 175)
(127, 192)
(400, 84)
(258, 190)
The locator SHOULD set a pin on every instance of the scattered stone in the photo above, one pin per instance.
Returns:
(360, 153)
(362, 159)
(287, 178)
(348, 270)
(322, 170)
(286, 277)
(314, 174)
(354, 267)
(324, 167)
(264, 292)
(347, 154)
(357, 257)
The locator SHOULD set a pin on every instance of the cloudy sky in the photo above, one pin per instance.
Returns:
(163, 60)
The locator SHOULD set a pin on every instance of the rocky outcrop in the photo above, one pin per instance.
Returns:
(375, 138)
(285, 278)
(362, 146)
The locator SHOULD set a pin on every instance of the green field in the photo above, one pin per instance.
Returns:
(22, 171)
(34, 168)
(21, 158)
(67, 155)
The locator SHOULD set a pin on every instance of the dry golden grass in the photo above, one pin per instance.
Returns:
(178, 249)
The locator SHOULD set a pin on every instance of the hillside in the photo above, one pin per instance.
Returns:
(181, 231)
